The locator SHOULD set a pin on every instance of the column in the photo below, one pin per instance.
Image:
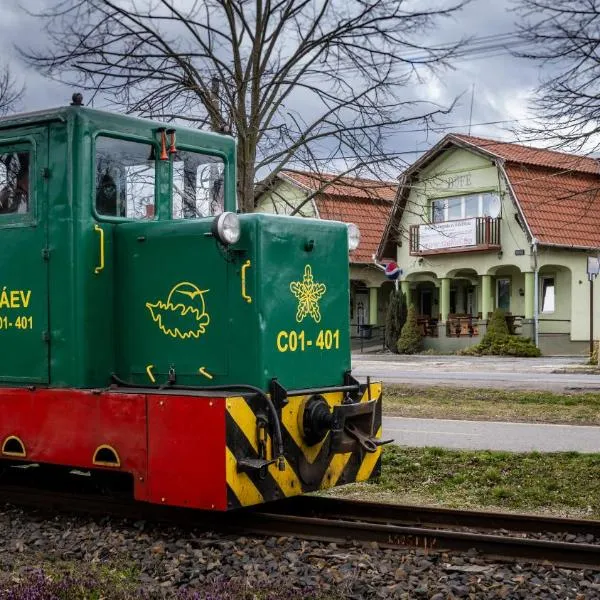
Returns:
(405, 289)
(529, 295)
(445, 298)
(486, 296)
(372, 306)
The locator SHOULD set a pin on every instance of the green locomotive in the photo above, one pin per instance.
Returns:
(146, 327)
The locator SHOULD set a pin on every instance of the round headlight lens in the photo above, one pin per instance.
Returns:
(227, 227)
(353, 236)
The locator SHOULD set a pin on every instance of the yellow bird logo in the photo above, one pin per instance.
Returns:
(184, 314)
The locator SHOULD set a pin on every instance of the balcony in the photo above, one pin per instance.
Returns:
(475, 234)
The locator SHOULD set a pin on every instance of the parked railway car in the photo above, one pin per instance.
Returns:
(148, 329)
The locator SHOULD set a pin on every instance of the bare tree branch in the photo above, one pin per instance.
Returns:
(297, 82)
(11, 91)
(564, 38)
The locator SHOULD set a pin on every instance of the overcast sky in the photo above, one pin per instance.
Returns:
(503, 84)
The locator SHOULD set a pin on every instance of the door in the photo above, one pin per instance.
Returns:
(503, 294)
(361, 309)
(24, 351)
(426, 303)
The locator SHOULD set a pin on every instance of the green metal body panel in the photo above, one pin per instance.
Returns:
(23, 270)
(183, 305)
(169, 297)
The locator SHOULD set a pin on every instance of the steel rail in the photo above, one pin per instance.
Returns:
(434, 540)
(337, 526)
(399, 514)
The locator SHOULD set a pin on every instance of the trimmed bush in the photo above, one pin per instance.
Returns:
(395, 317)
(497, 324)
(497, 341)
(410, 340)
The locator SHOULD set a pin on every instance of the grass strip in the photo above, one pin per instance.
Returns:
(484, 404)
(558, 483)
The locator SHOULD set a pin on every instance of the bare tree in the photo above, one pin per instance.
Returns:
(564, 37)
(11, 91)
(310, 83)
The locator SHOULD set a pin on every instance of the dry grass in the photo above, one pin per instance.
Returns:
(492, 404)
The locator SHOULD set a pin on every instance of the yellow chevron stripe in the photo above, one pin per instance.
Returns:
(376, 389)
(241, 485)
(369, 462)
(242, 414)
(335, 469)
(287, 480)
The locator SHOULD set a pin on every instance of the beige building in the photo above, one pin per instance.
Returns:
(366, 203)
(479, 224)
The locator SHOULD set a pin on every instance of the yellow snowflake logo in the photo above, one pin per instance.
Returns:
(308, 294)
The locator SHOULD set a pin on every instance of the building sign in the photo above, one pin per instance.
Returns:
(449, 234)
(459, 181)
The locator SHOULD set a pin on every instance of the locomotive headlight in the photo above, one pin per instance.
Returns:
(353, 236)
(227, 227)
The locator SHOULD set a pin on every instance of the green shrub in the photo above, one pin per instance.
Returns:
(395, 317)
(497, 324)
(410, 340)
(497, 341)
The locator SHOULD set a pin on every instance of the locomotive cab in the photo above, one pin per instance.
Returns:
(147, 328)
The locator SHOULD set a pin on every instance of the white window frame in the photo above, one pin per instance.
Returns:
(462, 197)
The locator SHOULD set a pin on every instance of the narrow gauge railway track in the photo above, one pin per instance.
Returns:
(341, 521)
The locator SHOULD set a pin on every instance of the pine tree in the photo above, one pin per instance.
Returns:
(395, 317)
(410, 340)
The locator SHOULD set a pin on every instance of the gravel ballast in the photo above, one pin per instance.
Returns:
(163, 561)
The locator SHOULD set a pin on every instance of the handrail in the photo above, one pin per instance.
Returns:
(245, 296)
(100, 267)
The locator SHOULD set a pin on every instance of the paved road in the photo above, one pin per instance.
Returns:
(486, 435)
(546, 373)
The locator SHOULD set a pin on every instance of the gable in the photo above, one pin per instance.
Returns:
(455, 172)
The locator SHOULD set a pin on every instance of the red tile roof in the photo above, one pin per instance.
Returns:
(527, 155)
(356, 187)
(365, 202)
(560, 207)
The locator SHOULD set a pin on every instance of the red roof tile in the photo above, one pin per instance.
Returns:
(370, 216)
(532, 156)
(356, 187)
(365, 202)
(560, 208)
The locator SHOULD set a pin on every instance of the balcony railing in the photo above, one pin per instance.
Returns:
(463, 235)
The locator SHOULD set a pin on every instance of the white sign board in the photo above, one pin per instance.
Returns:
(449, 234)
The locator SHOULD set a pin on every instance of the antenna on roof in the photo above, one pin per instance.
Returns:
(471, 110)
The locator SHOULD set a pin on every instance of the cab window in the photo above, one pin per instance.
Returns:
(14, 183)
(125, 178)
(197, 185)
